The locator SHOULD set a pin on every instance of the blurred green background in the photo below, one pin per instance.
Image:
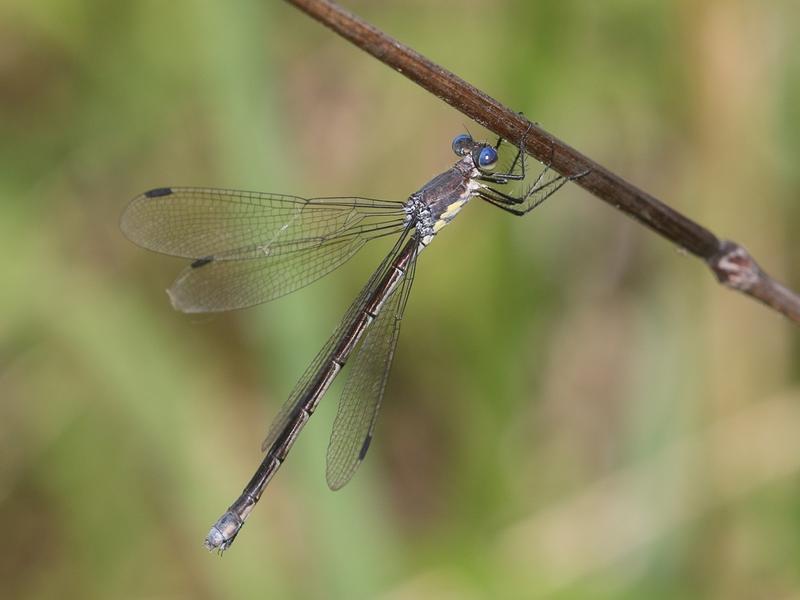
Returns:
(576, 409)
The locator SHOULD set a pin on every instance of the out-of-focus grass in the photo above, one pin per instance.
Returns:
(576, 410)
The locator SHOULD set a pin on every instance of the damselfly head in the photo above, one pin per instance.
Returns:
(483, 155)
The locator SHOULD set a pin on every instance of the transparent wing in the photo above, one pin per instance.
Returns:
(227, 285)
(363, 391)
(309, 379)
(200, 223)
(252, 247)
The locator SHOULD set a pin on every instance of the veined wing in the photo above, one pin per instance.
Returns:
(200, 223)
(361, 398)
(252, 247)
(219, 285)
(309, 380)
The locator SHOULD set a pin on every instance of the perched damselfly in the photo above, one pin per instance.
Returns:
(249, 247)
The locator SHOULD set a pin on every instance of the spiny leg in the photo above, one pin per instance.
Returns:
(534, 197)
(521, 152)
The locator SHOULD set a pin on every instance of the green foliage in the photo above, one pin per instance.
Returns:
(575, 411)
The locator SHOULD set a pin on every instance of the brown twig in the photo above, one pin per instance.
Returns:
(730, 262)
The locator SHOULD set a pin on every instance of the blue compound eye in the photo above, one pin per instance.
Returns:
(487, 158)
(462, 144)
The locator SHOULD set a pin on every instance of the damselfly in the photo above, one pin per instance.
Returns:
(249, 247)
